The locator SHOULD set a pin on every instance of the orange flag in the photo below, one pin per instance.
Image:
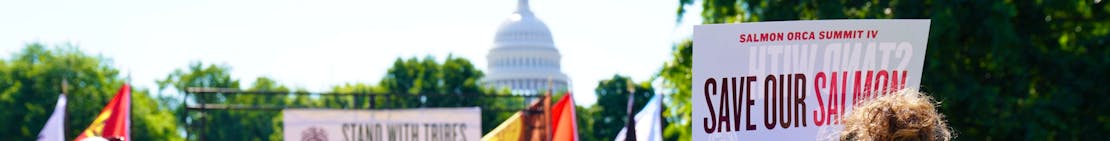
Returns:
(114, 122)
(565, 126)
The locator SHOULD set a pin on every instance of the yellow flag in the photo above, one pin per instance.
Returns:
(508, 131)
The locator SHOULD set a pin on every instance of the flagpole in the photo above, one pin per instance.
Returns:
(65, 117)
(662, 120)
(630, 135)
(547, 113)
(129, 98)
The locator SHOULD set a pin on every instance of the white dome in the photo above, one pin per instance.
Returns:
(523, 57)
(522, 28)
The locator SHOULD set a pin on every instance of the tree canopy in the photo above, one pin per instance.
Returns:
(604, 120)
(414, 83)
(30, 83)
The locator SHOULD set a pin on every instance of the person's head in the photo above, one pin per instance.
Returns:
(903, 115)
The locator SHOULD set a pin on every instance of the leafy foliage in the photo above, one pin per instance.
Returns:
(420, 83)
(453, 83)
(228, 124)
(30, 83)
(676, 75)
(611, 113)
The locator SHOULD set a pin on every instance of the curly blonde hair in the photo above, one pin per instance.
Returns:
(902, 115)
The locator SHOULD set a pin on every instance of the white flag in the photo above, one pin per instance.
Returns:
(648, 122)
(54, 129)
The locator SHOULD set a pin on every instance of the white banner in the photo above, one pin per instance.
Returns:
(429, 124)
(795, 80)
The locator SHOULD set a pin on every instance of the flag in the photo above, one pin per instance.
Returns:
(54, 129)
(648, 122)
(510, 130)
(114, 122)
(564, 128)
(524, 125)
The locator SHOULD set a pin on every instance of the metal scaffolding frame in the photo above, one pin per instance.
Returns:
(202, 107)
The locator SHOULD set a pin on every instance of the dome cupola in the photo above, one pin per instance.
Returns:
(523, 28)
(523, 57)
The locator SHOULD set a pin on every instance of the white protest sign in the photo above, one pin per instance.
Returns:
(455, 124)
(795, 80)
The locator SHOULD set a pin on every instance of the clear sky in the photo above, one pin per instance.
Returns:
(316, 44)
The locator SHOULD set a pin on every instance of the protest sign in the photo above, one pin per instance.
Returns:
(795, 80)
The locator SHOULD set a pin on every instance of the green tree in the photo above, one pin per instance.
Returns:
(421, 82)
(364, 101)
(411, 77)
(444, 84)
(611, 112)
(460, 76)
(1003, 69)
(676, 75)
(30, 83)
(428, 83)
(586, 117)
(229, 124)
(264, 129)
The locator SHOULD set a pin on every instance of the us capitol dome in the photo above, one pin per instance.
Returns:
(524, 58)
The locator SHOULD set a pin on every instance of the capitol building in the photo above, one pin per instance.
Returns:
(523, 57)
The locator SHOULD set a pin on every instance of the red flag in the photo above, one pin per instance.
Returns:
(114, 122)
(565, 126)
